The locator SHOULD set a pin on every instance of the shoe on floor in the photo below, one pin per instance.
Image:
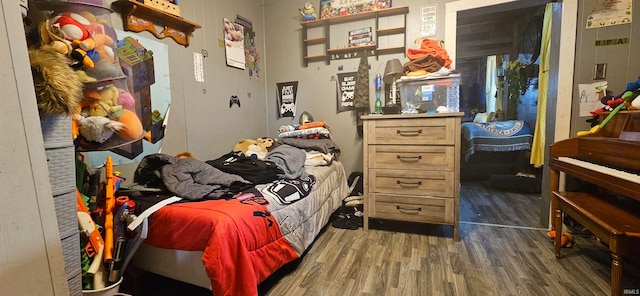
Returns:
(349, 221)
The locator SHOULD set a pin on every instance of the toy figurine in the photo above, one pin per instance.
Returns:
(308, 12)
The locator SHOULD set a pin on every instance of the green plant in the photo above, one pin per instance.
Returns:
(516, 80)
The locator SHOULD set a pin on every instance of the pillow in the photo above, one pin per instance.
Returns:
(480, 118)
(484, 117)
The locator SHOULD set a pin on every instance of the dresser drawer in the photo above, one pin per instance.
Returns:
(440, 131)
(441, 158)
(431, 183)
(417, 209)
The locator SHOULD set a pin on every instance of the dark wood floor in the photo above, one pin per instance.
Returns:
(503, 250)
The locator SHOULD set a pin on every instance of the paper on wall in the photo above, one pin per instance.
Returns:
(590, 95)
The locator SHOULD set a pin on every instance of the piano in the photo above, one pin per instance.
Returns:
(610, 160)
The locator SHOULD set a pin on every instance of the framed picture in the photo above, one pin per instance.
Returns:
(360, 37)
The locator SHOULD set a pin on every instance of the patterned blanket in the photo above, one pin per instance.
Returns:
(510, 135)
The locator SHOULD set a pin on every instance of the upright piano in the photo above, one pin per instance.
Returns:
(609, 160)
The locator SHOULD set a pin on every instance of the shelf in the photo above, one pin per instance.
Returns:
(315, 41)
(138, 17)
(391, 31)
(352, 52)
(351, 49)
(356, 17)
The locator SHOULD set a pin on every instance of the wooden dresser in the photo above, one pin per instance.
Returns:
(411, 168)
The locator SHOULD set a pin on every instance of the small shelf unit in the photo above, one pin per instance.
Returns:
(352, 52)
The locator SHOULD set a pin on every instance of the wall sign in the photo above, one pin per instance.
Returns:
(610, 13)
(345, 90)
(612, 42)
(286, 94)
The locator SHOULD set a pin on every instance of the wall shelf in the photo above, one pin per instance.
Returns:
(351, 52)
(138, 17)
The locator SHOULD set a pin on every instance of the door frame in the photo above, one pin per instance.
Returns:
(559, 118)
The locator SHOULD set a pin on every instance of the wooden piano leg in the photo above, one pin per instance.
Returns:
(554, 185)
(558, 238)
(616, 275)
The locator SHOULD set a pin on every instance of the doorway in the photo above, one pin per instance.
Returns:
(561, 70)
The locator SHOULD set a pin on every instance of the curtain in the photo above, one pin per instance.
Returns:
(538, 146)
(490, 84)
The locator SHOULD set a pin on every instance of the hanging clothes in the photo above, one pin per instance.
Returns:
(538, 146)
(361, 95)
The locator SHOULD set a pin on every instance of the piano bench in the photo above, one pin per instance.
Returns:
(614, 220)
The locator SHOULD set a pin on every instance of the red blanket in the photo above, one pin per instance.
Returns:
(242, 242)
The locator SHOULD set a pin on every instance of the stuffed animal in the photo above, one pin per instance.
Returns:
(103, 69)
(58, 88)
(102, 103)
(97, 128)
(51, 38)
(132, 129)
(126, 100)
(255, 148)
(101, 44)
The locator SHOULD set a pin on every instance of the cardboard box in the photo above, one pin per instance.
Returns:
(428, 93)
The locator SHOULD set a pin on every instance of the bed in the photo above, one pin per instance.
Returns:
(230, 246)
(493, 147)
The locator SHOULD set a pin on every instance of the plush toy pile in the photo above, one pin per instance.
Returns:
(255, 148)
(76, 72)
(613, 104)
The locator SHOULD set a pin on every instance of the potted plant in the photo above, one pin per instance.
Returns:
(517, 83)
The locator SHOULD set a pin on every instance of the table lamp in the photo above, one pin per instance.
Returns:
(392, 71)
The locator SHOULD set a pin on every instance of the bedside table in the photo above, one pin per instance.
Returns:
(411, 168)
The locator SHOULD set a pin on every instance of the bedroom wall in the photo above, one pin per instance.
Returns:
(200, 119)
(621, 60)
(316, 89)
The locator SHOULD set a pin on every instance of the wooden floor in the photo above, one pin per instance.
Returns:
(492, 258)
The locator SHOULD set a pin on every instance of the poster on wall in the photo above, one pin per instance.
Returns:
(286, 94)
(145, 62)
(333, 8)
(610, 13)
(345, 89)
(428, 17)
(234, 44)
(591, 96)
(252, 57)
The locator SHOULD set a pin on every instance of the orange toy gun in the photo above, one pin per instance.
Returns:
(88, 228)
(110, 201)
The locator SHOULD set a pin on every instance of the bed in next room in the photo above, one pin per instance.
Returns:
(493, 148)
(230, 245)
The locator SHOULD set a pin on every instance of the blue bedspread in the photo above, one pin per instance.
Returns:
(510, 135)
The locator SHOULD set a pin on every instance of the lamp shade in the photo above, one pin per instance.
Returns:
(392, 70)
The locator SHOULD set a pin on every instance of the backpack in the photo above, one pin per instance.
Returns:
(251, 169)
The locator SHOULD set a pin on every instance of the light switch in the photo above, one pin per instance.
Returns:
(600, 71)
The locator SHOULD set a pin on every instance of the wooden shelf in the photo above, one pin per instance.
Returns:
(356, 17)
(391, 31)
(312, 41)
(138, 17)
(351, 49)
(352, 52)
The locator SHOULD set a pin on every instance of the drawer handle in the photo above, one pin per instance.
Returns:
(412, 210)
(409, 184)
(409, 158)
(409, 133)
